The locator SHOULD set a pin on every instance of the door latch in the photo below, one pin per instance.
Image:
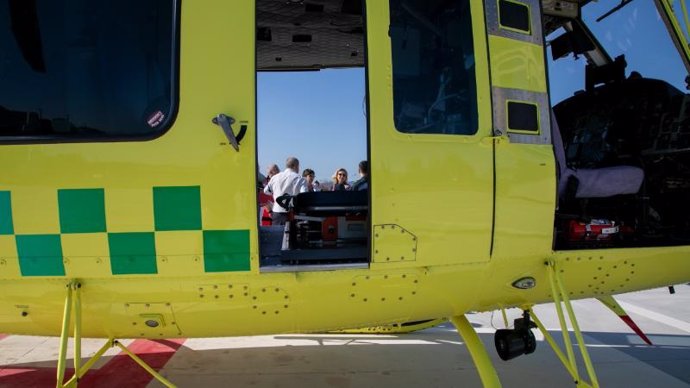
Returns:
(225, 122)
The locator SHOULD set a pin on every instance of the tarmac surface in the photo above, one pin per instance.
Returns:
(434, 357)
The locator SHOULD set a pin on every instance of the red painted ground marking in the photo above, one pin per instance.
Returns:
(3, 336)
(120, 371)
(29, 377)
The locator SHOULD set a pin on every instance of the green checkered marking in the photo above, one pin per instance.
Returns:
(226, 250)
(82, 210)
(177, 208)
(40, 255)
(6, 225)
(132, 253)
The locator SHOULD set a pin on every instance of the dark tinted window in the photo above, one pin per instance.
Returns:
(522, 116)
(514, 15)
(434, 87)
(85, 69)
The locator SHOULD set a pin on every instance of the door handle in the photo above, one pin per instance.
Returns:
(495, 140)
(225, 122)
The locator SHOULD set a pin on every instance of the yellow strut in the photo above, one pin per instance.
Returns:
(85, 368)
(505, 317)
(561, 319)
(554, 345)
(560, 295)
(73, 297)
(77, 330)
(487, 372)
(64, 336)
(144, 365)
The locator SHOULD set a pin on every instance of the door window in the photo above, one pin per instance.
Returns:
(434, 88)
(86, 70)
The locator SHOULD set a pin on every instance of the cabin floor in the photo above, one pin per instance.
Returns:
(434, 357)
(326, 230)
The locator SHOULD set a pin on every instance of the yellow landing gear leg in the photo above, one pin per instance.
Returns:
(72, 300)
(487, 372)
(560, 296)
(73, 304)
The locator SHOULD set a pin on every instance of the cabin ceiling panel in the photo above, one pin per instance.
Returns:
(294, 35)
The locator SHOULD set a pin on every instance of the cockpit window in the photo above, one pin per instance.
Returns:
(636, 32)
(80, 70)
(434, 87)
(622, 139)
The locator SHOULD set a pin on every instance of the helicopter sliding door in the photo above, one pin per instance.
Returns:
(525, 171)
(430, 117)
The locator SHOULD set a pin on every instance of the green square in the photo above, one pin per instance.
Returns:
(177, 208)
(132, 253)
(40, 255)
(6, 225)
(82, 210)
(226, 250)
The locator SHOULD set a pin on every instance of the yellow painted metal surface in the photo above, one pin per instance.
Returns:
(393, 243)
(481, 359)
(194, 152)
(525, 200)
(525, 171)
(437, 188)
(395, 328)
(86, 256)
(517, 65)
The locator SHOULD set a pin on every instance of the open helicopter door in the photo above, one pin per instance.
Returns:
(525, 167)
(431, 146)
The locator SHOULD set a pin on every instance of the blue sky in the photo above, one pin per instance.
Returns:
(319, 116)
(636, 31)
(316, 116)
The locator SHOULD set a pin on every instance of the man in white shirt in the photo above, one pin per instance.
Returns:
(289, 181)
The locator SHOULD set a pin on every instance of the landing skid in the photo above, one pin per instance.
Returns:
(394, 328)
(73, 301)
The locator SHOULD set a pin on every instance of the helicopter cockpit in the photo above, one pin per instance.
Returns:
(625, 158)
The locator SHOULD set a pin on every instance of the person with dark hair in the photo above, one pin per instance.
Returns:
(266, 199)
(363, 182)
(308, 175)
(286, 182)
(265, 202)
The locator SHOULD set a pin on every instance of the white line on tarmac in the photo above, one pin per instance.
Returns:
(665, 319)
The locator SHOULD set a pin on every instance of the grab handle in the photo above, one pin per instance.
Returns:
(225, 122)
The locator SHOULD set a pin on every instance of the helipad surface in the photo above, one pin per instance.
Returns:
(434, 357)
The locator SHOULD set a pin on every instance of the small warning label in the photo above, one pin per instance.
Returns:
(156, 119)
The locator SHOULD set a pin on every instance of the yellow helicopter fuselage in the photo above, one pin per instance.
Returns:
(163, 237)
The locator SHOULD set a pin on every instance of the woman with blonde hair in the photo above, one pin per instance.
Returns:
(340, 180)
